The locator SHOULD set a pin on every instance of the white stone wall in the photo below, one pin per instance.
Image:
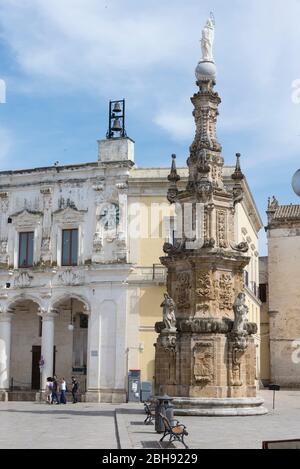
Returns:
(284, 305)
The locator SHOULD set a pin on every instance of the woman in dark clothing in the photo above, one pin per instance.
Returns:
(74, 390)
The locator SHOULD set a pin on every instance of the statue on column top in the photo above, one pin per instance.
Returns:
(207, 41)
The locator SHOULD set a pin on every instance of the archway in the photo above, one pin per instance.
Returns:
(26, 337)
(71, 340)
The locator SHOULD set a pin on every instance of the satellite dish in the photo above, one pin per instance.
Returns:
(296, 183)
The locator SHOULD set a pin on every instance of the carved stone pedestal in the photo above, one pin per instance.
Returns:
(209, 368)
(220, 407)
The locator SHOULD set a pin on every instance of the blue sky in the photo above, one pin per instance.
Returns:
(63, 60)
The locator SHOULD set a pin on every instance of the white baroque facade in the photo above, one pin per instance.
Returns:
(58, 316)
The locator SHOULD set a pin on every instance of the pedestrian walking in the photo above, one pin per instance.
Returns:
(75, 387)
(54, 391)
(63, 390)
(49, 388)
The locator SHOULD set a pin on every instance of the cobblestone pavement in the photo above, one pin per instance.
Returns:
(92, 426)
(228, 432)
(26, 425)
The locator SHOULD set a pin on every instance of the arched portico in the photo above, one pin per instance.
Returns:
(20, 344)
(70, 337)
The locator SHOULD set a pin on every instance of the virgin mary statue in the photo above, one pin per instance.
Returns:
(207, 41)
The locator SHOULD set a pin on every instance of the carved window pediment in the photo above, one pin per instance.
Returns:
(69, 215)
(26, 218)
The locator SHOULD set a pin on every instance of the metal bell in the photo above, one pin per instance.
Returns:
(117, 108)
(116, 126)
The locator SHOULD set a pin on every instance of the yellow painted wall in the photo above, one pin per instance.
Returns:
(148, 248)
(151, 298)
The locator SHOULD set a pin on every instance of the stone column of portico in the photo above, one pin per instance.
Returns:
(47, 346)
(5, 347)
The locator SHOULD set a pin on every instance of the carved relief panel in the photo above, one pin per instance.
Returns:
(203, 356)
(203, 285)
(222, 228)
(225, 291)
(184, 286)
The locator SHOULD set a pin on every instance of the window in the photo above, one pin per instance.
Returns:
(83, 321)
(69, 247)
(263, 292)
(26, 249)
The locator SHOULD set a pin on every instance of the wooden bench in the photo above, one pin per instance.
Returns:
(176, 432)
(150, 412)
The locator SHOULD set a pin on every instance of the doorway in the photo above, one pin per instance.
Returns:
(35, 374)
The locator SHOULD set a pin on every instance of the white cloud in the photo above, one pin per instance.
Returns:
(180, 127)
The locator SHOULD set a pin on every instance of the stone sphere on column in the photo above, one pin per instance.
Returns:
(296, 183)
(206, 70)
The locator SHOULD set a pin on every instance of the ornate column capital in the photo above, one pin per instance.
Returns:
(47, 314)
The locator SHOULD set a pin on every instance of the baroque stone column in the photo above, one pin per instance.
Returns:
(48, 319)
(208, 364)
(5, 350)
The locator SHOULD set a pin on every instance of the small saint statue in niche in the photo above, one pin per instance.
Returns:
(169, 317)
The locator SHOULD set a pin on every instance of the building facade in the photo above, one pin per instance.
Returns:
(280, 287)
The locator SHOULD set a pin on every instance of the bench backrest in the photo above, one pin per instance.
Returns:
(166, 422)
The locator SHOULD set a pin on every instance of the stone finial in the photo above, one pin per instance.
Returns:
(174, 176)
(238, 174)
(173, 179)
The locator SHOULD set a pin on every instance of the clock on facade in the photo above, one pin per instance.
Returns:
(110, 216)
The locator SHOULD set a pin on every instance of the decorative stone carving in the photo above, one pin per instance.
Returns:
(169, 317)
(222, 228)
(167, 339)
(173, 179)
(98, 186)
(203, 289)
(241, 247)
(241, 312)
(69, 215)
(97, 242)
(3, 246)
(46, 191)
(26, 219)
(70, 277)
(206, 326)
(238, 195)
(225, 292)
(178, 246)
(4, 202)
(203, 355)
(46, 244)
(122, 186)
(183, 289)
(238, 338)
(23, 280)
